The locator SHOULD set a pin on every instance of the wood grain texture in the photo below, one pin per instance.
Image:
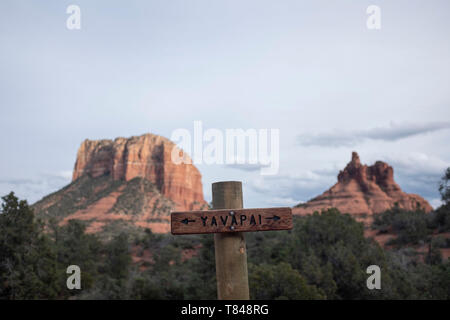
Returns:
(230, 248)
(224, 221)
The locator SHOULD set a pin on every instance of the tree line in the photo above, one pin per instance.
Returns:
(325, 256)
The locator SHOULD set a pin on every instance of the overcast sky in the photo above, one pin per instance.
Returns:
(309, 68)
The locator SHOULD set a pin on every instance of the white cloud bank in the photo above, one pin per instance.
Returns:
(392, 132)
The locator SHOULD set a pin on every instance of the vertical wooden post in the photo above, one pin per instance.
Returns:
(230, 249)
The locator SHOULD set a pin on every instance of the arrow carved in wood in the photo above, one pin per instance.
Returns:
(274, 218)
(186, 221)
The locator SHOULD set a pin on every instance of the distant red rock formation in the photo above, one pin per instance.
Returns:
(147, 156)
(363, 189)
(125, 185)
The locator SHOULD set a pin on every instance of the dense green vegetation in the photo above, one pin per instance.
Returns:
(85, 191)
(325, 256)
(27, 259)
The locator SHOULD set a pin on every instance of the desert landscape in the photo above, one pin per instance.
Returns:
(192, 151)
(123, 192)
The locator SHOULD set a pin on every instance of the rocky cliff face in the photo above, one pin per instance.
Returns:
(363, 189)
(147, 156)
(125, 183)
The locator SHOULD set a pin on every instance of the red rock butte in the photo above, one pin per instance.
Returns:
(147, 156)
(364, 190)
(124, 185)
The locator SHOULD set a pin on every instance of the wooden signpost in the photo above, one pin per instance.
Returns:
(228, 221)
(231, 220)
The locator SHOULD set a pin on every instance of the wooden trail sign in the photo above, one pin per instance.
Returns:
(231, 220)
(228, 221)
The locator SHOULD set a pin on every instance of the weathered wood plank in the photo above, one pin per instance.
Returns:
(231, 220)
(230, 248)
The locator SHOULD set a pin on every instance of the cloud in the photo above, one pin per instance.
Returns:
(418, 173)
(392, 132)
(246, 166)
(65, 174)
(16, 181)
(36, 188)
(418, 163)
(282, 201)
(289, 190)
(435, 203)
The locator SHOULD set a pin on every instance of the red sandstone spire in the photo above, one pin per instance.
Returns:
(364, 189)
